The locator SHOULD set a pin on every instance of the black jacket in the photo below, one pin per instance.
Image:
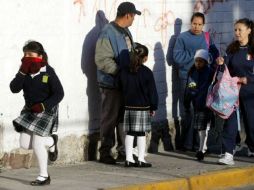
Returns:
(139, 88)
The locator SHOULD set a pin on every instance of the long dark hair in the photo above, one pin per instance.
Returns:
(137, 56)
(235, 45)
(35, 47)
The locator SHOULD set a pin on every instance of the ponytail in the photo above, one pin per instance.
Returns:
(137, 56)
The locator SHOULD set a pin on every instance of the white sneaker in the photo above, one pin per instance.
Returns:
(250, 154)
(227, 159)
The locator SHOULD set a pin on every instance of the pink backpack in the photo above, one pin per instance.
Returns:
(223, 94)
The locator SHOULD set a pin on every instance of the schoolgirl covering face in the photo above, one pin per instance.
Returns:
(38, 119)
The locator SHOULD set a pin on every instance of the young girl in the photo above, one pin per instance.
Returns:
(199, 79)
(38, 119)
(141, 100)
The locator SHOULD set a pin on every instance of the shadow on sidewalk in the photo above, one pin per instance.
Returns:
(191, 154)
(16, 179)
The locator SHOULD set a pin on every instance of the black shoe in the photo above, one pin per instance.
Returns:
(130, 164)
(41, 183)
(200, 155)
(183, 149)
(168, 147)
(178, 146)
(144, 164)
(153, 148)
(121, 158)
(53, 155)
(107, 160)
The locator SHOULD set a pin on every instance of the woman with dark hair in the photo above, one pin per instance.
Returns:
(240, 62)
(39, 117)
(186, 45)
(140, 101)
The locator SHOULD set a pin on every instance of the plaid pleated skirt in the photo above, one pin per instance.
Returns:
(200, 120)
(137, 121)
(42, 124)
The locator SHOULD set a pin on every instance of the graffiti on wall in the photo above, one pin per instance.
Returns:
(81, 4)
(166, 19)
(109, 10)
(205, 5)
(145, 14)
(161, 25)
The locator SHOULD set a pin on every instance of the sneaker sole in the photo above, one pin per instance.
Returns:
(223, 163)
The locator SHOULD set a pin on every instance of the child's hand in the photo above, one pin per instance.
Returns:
(243, 80)
(220, 61)
(152, 113)
(25, 66)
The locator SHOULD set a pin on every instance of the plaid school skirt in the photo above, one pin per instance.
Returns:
(42, 124)
(137, 121)
(200, 120)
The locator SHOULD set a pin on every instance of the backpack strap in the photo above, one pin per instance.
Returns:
(238, 119)
(207, 39)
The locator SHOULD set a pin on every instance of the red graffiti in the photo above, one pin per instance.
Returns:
(161, 25)
(81, 3)
(145, 14)
(205, 5)
(109, 10)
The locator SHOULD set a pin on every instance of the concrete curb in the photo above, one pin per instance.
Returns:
(210, 181)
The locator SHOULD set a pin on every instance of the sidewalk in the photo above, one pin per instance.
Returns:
(171, 170)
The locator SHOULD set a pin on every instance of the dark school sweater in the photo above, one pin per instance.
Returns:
(43, 88)
(139, 88)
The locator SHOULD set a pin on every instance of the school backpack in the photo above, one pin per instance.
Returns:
(223, 93)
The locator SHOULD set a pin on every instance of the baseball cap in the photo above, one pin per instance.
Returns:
(202, 53)
(127, 7)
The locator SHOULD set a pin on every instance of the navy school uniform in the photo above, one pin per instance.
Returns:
(241, 64)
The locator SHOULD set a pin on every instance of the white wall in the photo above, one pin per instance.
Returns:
(62, 27)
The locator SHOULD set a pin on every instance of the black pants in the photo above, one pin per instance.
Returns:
(247, 109)
(160, 130)
(111, 116)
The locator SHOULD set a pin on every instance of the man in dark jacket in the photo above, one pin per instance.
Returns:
(112, 53)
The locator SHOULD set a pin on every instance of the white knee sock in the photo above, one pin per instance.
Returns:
(203, 140)
(49, 141)
(40, 145)
(25, 140)
(141, 143)
(128, 148)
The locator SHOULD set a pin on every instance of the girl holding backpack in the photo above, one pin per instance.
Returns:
(199, 78)
(240, 63)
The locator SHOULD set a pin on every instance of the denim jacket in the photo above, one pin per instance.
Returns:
(111, 54)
